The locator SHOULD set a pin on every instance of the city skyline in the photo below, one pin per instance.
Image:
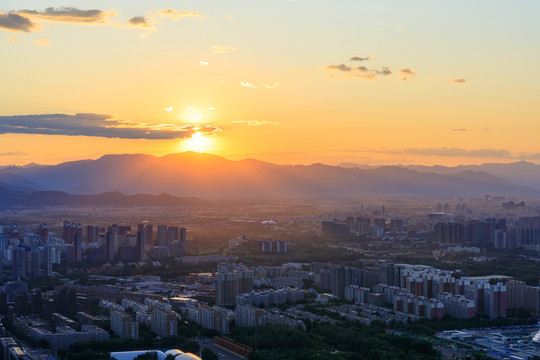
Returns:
(289, 82)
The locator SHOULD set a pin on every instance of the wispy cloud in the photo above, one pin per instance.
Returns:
(42, 42)
(98, 125)
(273, 85)
(359, 58)
(69, 15)
(229, 17)
(247, 84)
(221, 49)
(340, 67)
(12, 39)
(178, 15)
(458, 80)
(256, 122)
(28, 20)
(442, 152)
(361, 72)
(204, 63)
(457, 129)
(407, 73)
(14, 153)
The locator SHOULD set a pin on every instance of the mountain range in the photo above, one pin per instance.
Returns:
(209, 176)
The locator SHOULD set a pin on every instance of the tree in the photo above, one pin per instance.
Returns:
(208, 354)
(191, 346)
(151, 355)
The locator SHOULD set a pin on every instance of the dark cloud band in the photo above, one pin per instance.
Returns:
(98, 125)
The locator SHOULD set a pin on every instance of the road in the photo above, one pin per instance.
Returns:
(222, 354)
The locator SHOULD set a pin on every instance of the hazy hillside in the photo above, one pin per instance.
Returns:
(521, 173)
(209, 176)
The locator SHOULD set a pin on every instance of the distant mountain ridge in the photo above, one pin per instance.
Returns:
(211, 176)
(57, 198)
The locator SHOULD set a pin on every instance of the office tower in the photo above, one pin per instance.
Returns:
(69, 231)
(77, 247)
(123, 325)
(141, 245)
(19, 261)
(449, 233)
(149, 234)
(163, 322)
(162, 235)
(226, 288)
(38, 256)
(21, 304)
(110, 245)
(43, 232)
(48, 259)
(3, 303)
(338, 280)
(183, 240)
(244, 281)
(92, 233)
(336, 228)
(173, 233)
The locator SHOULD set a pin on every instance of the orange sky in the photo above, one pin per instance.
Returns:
(370, 82)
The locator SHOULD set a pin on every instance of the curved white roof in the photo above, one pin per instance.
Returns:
(174, 352)
(130, 355)
(187, 356)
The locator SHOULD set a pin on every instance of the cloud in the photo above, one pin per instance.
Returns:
(256, 122)
(358, 58)
(204, 63)
(12, 39)
(69, 15)
(140, 22)
(247, 84)
(229, 17)
(340, 67)
(407, 73)
(454, 129)
(384, 71)
(14, 153)
(221, 49)
(24, 20)
(98, 125)
(458, 80)
(273, 85)
(178, 15)
(450, 152)
(169, 108)
(442, 151)
(361, 72)
(14, 22)
(42, 42)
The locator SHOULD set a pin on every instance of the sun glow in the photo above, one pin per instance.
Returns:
(198, 142)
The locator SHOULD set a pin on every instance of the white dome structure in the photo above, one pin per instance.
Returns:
(130, 355)
(187, 356)
(173, 352)
(178, 355)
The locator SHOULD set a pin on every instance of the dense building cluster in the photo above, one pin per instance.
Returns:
(33, 254)
(501, 231)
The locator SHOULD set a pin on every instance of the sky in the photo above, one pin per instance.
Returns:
(290, 82)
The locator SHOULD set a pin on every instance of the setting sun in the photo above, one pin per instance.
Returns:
(198, 142)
